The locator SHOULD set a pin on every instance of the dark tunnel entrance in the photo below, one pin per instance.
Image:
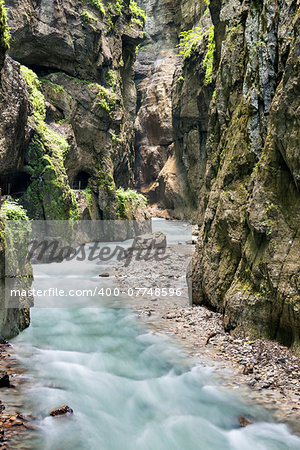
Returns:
(81, 180)
(14, 183)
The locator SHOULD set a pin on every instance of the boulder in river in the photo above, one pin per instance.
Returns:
(4, 380)
(243, 421)
(151, 240)
(61, 411)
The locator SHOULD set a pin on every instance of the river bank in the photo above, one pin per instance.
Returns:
(14, 426)
(265, 371)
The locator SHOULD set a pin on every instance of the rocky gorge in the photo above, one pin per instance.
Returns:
(117, 110)
(227, 135)
(202, 138)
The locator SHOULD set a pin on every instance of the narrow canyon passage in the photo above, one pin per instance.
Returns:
(117, 116)
(128, 387)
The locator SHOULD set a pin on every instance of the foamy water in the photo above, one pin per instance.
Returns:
(129, 389)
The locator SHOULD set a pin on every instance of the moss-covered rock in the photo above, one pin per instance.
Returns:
(4, 33)
(82, 100)
(246, 263)
(14, 317)
(49, 195)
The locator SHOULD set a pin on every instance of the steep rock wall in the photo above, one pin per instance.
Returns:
(246, 263)
(154, 69)
(230, 114)
(13, 134)
(76, 65)
(172, 115)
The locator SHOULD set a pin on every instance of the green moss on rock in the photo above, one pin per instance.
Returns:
(97, 5)
(139, 15)
(12, 210)
(126, 199)
(106, 99)
(4, 29)
(49, 195)
(209, 57)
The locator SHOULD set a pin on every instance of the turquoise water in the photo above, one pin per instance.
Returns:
(129, 389)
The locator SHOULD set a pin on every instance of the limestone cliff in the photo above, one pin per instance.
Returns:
(13, 104)
(229, 111)
(154, 69)
(76, 84)
(172, 116)
(246, 263)
(212, 135)
(67, 105)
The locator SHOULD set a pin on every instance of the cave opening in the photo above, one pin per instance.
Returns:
(81, 180)
(14, 183)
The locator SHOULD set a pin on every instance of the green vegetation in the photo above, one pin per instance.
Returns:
(209, 57)
(106, 99)
(118, 5)
(97, 5)
(12, 210)
(189, 41)
(139, 15)
(114, 8)
(14, 238)
(126, 198)
(36, 97)
(54, 87)
(89, 196)
(49, 195)
(188, 44)
(37, 100)
(207, 2)
(115, 138)
(105, 178)
(87, 17)
(111, 79)
(4, 29)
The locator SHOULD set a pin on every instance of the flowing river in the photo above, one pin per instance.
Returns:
(129, 388)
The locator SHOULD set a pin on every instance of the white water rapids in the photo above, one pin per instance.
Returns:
(129, 388)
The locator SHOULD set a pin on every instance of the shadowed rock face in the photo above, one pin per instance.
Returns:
(59, 37)
(154, 69)
(171, 124)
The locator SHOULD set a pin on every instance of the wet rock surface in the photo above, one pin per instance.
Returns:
(4, 380)
(61, 411)
(246, 263)
(15, 427)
